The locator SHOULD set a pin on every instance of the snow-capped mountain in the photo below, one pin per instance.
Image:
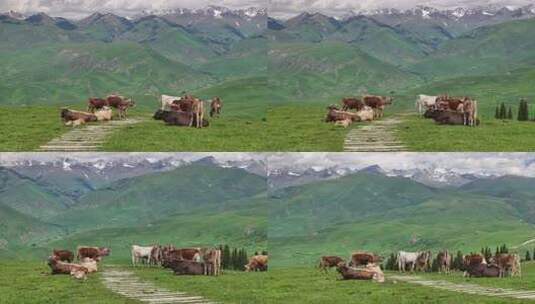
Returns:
(434, 177)
(210, 11)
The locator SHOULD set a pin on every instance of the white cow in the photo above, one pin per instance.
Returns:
(139, 253)
(407, 257)
(167, 102)
(90, 264)
(104, 114)
(424, 102)
(366, 114)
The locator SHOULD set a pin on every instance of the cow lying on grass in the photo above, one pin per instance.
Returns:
(183, 267)
(76, 118)
(483, 271)
(257, 263)
(178, 118)
(104, 114)
(59, 267)
(370, 272)
(448, 117)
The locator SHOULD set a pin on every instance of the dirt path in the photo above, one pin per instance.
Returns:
(469, 288)
(378, 136)
(128, 285)
(86, 139)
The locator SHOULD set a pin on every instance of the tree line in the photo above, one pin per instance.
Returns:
(234, 258)
(502, 112)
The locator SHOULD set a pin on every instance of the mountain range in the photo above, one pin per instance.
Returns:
(203, 202)
(370, 211)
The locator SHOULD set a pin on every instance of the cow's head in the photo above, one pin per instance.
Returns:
(104, 251)
(389, 100)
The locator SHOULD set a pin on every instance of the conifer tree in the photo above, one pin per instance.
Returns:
(510, 113)
(528, 256)
(503, 111)
(497, 114)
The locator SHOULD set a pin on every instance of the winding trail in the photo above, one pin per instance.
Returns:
(378, 136)
(86, 139)
(473, 289)
(127, 284)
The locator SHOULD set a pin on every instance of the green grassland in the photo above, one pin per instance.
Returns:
(31, 282)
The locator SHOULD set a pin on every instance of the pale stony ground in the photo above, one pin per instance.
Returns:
(127, 284)
(86, 138)
(468, 288)
(378, 136)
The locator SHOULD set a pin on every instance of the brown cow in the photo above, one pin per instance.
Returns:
(335, 115)
(212, 261)
(178, 118)
(59, 267)
(69, 117)
(423, 262)
(327, 262)
(363, 259)
(447, 103)
(377, 103)
(370, 272)
(95, 253)
(257, 263)
(444, 260)
(170, 253)
(115, 101)
(183, 267)
(352, 103)
(509, 264)
(473, 259)
(216, 106)
(64, 255)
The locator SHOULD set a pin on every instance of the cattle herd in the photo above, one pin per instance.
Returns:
(98, 109)
(182, 261)
(366, 108)
(366, 265)
(186, 110)
(447, 110)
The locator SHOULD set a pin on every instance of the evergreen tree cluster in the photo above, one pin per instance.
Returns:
(233, 259)
(529, 256)
(502, 112)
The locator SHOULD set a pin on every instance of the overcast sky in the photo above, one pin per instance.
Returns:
(278, 8)
(81, 8)
(288, 8)
(520, 164)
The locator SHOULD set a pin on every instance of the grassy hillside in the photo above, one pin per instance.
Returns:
(373, 212)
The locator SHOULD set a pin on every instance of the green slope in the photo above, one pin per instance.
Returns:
(373, 212)
(320, 70)
(60, 74)
(149, 198)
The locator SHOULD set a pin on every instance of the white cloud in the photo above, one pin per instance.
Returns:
(287, 8)
(499, 164)
(80, 8)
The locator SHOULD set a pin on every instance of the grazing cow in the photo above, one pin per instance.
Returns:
(509, 264)
(483, 271)
(182, 267)
(423, 262)
(182, 119)
(366, 114)
(363, 259)
(257, 263)
(343, 123)
(64, 255)
(328, 262)
(212, 261)
(140, 253)
(70, 116)
(104, 114)
(371, 272)
(59, 267)
(444, 260)
(351, 103)
(95, 253)
(425, 102)
(90, 265)
(216, 106)
(405, 258)
(377, 103)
